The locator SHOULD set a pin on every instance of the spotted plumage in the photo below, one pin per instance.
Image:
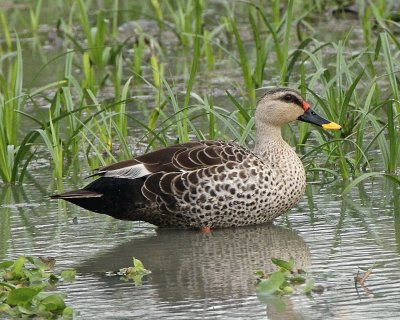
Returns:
(209, 183)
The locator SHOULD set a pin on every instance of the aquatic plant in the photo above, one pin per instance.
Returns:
(286, 280)
(134, 273)
(12, 100)
(358, 90)
(27, 289)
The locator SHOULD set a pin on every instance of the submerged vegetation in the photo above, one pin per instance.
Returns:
(109, 82)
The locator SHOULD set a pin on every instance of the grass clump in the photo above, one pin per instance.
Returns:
(158, 83)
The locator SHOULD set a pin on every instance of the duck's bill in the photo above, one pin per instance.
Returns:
(311, 117)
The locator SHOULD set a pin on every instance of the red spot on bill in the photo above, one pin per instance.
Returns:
(306, 105)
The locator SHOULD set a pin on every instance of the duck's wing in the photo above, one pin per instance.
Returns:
(192, 168)
(179, 158)
(160, 178)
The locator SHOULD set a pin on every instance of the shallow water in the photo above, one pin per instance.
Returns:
(210, 276)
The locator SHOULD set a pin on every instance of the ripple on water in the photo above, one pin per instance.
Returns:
(202, 276)
(344, 238)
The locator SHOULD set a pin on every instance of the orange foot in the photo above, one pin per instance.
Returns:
(205, 229)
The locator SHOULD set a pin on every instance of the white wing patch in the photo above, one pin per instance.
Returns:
(132, 172)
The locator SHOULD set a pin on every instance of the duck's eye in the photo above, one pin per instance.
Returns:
(288, 97)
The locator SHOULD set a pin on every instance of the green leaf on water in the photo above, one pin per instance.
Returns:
(287, 265)
(259, 273)
(273, 301)
(8, 285)
(17, 269)
(135, 273)
(53, 279)
(39, 264)
(68, 275)
(53, 302)
(309, 286)
(25, 311)
(137, 279)
(21, 296)
(296, 279)
(6, 264)
(36, 276)
(288, 290)
(272, 284)
(68, 313)
(138, 265)
(4, 308)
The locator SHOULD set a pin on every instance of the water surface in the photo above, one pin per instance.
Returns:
(210, 276)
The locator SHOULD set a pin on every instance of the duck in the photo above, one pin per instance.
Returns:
(210, 183)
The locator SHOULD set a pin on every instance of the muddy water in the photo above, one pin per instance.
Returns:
(210, 276)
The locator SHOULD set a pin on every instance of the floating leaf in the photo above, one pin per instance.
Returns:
(53, 279)
(309, 286)
(23, 310)
(18, 266)
(288, 290)
(138, 264)
(272, 284)
(21, 296)
(296, 279)
(135, 273)
(22, 291)
(53, 302)
(36, 276)
(137, 279)
(7, 276)
(259, 274)
(287, 265)
(4, 308)
(68, 313)
(274, 301)
(68, 275)
(6, 264)
(8, 285)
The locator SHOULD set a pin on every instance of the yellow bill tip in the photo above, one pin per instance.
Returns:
(331, 126)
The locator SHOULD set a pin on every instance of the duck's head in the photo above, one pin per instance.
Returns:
(283, 105)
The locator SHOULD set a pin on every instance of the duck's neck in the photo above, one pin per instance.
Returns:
(269, 138)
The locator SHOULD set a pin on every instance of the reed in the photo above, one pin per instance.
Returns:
(50, 136)
(358, 89)
(183, 135)
(35, 20)
(12, 100)
(5, 34)
(98, 51)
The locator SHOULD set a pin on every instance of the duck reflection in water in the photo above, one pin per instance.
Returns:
(193, 265)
